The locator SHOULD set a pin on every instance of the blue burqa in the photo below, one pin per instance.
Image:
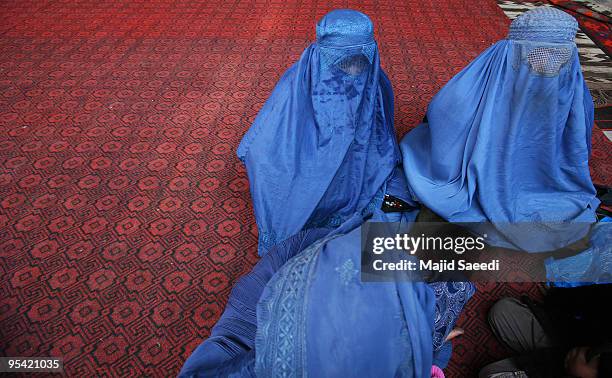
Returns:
(303, 309)
(308, 313)
(507, 140)
(323, 144)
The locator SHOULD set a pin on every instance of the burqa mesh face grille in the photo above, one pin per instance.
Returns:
(544, 59)
(331, 56)
(548, 60)
(354, 65)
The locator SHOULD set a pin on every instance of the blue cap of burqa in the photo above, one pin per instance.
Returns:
(544, 24)
(344, 28)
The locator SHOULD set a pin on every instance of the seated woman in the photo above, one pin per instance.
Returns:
(319, 156)
(323, 144)
(508, 139)
(308, 313)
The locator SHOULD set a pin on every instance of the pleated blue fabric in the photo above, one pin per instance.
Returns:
(323, 144)
(507, 140)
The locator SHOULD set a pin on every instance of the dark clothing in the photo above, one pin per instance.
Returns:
(541, 334)
(516, 326)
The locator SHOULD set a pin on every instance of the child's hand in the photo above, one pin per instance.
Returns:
(454, 333)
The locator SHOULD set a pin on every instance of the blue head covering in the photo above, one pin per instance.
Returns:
(544, 24)
(508, 138)
(316, 316)
(323, 144)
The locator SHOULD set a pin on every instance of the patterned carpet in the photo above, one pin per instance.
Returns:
(125, 216)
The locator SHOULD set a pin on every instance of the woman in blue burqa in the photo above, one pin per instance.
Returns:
(303, 311)
(507, 140)
(323, 144)
(319, 157)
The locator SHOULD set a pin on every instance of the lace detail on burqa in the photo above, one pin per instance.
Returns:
(450, 299)
(347, 272)
(281, 322)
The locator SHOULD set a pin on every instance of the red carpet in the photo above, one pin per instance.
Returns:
(125, 216)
